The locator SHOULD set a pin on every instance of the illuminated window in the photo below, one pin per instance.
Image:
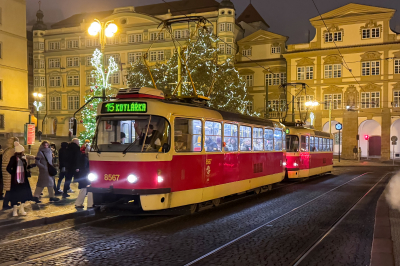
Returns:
(333, 36)
(213, 140)
(275, 50)
(396, 98)
(302, 100)
(188, 135)
(231, 137)
(245, 138)
(397, 66)
(258, 139)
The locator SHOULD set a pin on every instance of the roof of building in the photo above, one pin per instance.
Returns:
(182, 7)
(226, 4)
(250, 15)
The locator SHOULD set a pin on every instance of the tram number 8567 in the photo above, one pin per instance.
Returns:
(111, 177)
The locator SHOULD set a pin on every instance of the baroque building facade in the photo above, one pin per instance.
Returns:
(62, 53)
(352, 69)
(14, 112)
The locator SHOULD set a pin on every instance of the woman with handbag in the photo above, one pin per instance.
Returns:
(20, 191)
(46, 172)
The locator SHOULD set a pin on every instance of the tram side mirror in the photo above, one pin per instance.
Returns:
(165, 147)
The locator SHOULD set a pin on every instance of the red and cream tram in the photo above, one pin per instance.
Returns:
(308, 152)
(166, 154)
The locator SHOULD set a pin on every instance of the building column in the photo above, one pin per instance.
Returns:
(385, 134)
(349, 134)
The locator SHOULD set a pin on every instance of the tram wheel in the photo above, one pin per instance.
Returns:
(194, 208)
(257, 190)
(270, 187)
(216, 202)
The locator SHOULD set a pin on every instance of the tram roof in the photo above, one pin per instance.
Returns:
(308, 130)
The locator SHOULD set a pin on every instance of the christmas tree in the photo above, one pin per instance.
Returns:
(101, 76)
(200, 52)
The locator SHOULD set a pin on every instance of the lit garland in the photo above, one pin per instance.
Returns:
(229, 92)
(101, 77)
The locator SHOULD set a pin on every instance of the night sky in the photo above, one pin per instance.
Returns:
(286, 17)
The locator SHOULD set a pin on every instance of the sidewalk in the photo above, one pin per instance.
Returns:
(44, 212)
(347, 163)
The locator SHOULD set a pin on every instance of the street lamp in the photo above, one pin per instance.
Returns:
(37, 104)
(103, 30)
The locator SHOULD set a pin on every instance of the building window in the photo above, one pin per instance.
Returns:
(229, 27)
(36, 65)
(2, 124)
(73, 44)
(222, 27)
(228, 48)
(73, 80)
(88, 60)
(156, 56)
(275, 50)
(275, 78)
(115, 56)
(397, 66)
(114, 78)
(55, 103)
(371, 33)
(42, 82)
(156, 36)
(181, 34)
(37, 82)
(54, 63)
(54, 45)
(277, 105)
(72, 61)
(41, 46)
(370, 99)
(333, 71)
(249, 106)
(370, 68)
(42, 65)
(112, 40)
(304, 73)
(248, 79)
(92, 42)
(333, 36)
(55, 81)
(134, 57)
(73, 102)
(134, 38)
(302, 100)
(246, 52)
(334, 99)
(90, 80)
(396, 98)
(221, 48)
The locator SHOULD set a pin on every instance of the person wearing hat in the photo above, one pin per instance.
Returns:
(85, 147)
(7, 154)
(20, 190)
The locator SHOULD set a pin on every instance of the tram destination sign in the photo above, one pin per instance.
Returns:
(124, 107)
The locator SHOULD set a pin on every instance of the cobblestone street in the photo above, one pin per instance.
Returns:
(273, 228)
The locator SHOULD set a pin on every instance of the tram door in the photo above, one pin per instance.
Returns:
(304, 152)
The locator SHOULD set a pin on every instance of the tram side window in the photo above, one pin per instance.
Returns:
(213, 136)
(324, 145)
(327, 145)
(231, 137)
(321, 144)
(312, 147)
(284, 140)
(316, 147)
(245, 138)
(188, 135)
(258, 139)
(278, 139)
(269, 139)
(304, 143)
(331, 141)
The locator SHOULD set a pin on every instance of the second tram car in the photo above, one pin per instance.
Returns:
(164, 154)
(308, 152)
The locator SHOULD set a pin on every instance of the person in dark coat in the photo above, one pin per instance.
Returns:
(63, 160)
(83, 181)
(20, 191)
(73, 163)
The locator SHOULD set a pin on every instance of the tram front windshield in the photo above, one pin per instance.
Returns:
(292, 143)
(143, 133)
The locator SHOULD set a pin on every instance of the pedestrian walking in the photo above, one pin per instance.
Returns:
(1, 174)
(355, 152)
(20, 191)
(54, 153)
(73, 162)
(45, 179)
(62, 159)
(40, 135)
(83, 183)
(7, 154)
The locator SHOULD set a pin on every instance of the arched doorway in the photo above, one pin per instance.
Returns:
(371, 147)
(395, 131)
(335, 134)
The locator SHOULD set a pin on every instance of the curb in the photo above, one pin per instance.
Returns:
(382, 244)
(48, 220)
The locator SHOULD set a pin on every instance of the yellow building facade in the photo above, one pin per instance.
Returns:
(62, 69)
(14, 112)
(352, 69)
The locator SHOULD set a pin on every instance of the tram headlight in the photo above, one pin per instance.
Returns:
(295, 164)
(160, 179)
(92, 177)
(284, 163)
(132, 179)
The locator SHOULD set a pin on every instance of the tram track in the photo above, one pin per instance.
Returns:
(269, 223)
